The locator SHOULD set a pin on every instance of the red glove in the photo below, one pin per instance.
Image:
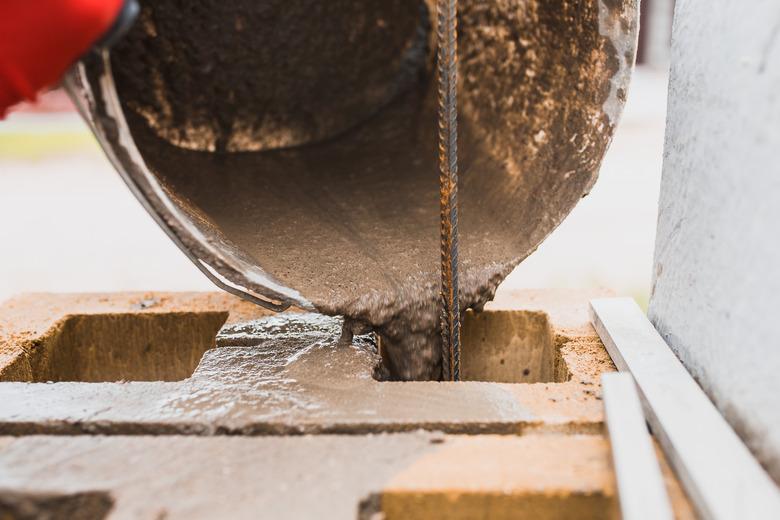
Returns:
(41, 39)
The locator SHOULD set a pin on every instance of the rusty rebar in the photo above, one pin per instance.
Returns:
(448, 179)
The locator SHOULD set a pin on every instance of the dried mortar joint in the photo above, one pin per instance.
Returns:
(312, 432)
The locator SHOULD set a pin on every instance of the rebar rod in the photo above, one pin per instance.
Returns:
(448, 179)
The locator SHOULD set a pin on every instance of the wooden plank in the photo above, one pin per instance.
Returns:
(641, 487)
(718, 472)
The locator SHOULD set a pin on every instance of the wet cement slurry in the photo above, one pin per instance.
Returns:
(290, 374)
(231, 440)
(348, 216)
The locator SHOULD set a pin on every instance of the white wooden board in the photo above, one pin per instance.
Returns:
(720, 475)
(641, 488)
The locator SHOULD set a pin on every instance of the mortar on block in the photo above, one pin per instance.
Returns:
(273, 397)
(210, 363)
(297, 166)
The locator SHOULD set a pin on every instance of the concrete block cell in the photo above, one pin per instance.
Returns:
(86, 505)
(511, 347)
(284, 418)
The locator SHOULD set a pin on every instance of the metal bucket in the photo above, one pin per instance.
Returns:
(288, 147)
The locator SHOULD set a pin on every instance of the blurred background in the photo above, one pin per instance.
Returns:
(68, 223)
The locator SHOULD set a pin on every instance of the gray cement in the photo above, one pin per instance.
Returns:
(717, 252)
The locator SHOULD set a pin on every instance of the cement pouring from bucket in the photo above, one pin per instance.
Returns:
(289, 148)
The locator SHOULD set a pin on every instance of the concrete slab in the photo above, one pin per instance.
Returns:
(289, 374)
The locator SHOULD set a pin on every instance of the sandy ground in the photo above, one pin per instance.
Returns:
(67, 222)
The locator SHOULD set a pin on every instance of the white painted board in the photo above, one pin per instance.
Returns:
(720, 475)
(641, 488)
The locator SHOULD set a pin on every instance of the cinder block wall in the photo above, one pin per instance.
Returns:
(717, 261)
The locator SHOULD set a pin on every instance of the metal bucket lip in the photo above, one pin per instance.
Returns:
(213, 254)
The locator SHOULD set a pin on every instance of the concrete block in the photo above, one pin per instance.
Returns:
(312, 432)
(256, 383)
(402, 476)
(108, 337)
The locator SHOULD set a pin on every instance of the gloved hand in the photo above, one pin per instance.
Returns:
(41, 39)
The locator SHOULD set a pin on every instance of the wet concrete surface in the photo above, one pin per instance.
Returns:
(291, 374)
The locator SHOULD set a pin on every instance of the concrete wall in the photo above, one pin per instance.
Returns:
(717, 262)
